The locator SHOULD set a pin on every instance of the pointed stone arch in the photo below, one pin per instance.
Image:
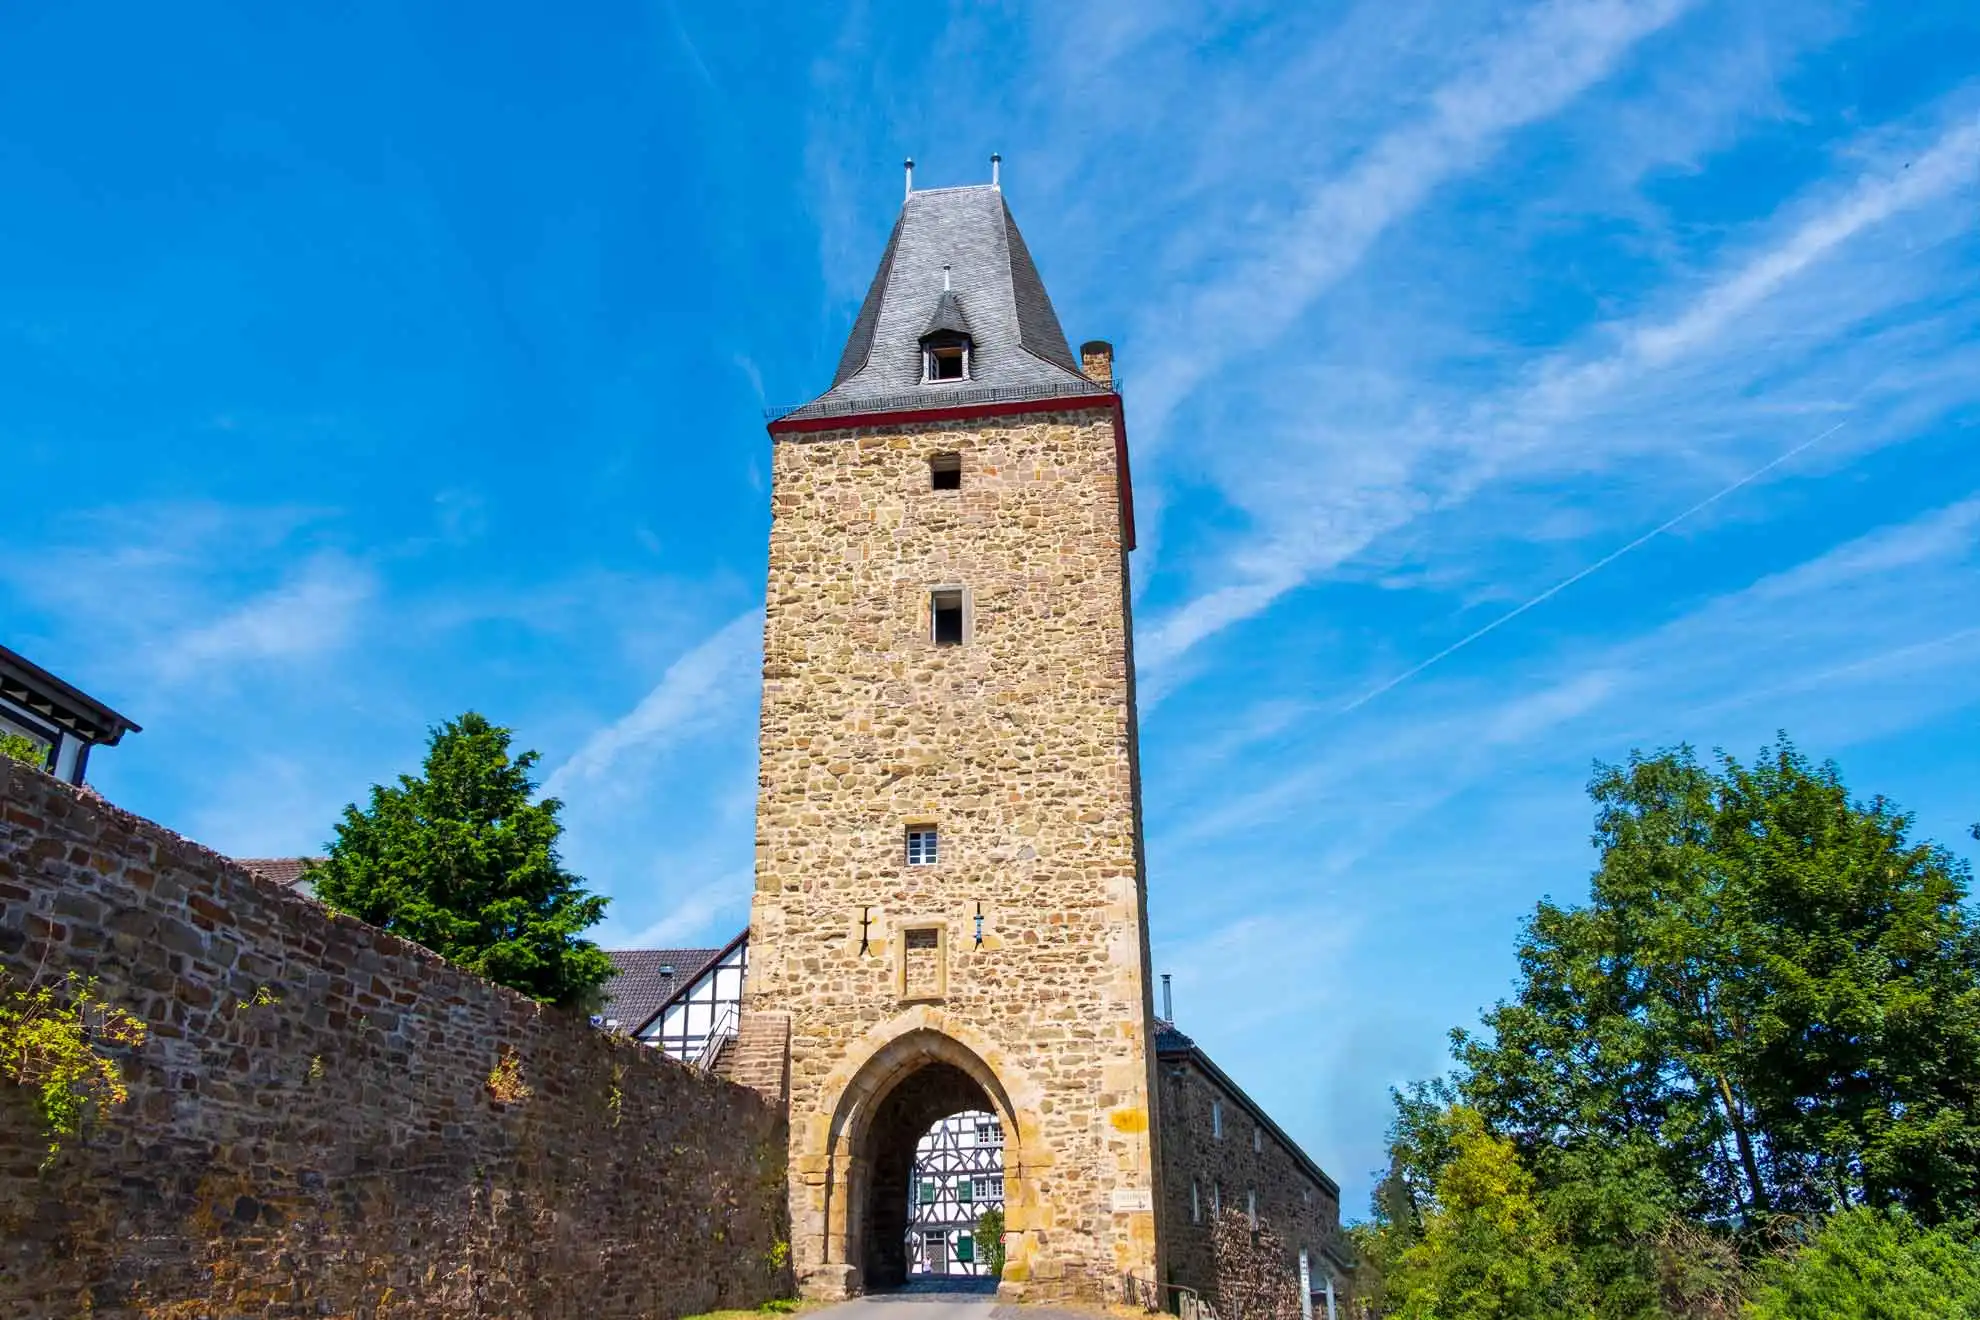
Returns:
(892, 1084)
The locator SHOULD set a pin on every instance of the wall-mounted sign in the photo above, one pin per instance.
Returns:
(1127, 1200)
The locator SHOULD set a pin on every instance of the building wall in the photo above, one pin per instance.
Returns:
(1301, 1210)
(311, 1126)
(960, 1157)
(1020, 747)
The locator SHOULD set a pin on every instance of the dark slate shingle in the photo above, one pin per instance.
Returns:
(1018, 349)
(647, 979)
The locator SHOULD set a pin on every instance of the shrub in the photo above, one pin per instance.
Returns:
(52, 1040)
(1866, 1264)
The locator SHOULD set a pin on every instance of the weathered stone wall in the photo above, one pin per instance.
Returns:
(1202, 1171)
(311, 1129)
(1020, 747)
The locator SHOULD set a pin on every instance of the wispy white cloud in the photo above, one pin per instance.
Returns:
(716, 673)
(1554, 53)
(1324, 504)
(1812, 646)
(690, 915)
(314, 612)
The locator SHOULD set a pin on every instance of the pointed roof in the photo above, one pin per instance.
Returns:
(948, 317)
(1017, 349)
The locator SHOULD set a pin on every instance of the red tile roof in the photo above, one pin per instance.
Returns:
(647, 979)
(282, 870)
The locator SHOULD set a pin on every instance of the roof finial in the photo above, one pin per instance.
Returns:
(996, 168)
(910, 179)
(945, 277)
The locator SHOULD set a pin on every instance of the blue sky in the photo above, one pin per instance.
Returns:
(362, 366)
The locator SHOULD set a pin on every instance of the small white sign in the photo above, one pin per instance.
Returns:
(1127, 1200)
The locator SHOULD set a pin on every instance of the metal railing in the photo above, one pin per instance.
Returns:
(942, 397)
(721, 1033)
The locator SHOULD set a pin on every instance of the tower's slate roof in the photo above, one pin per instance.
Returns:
(1018, 349)
(948, 316)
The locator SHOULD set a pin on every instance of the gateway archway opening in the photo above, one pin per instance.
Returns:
(958, 1176)
(935, 1155)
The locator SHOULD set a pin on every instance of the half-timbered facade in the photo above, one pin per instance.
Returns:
(958, 1174)
(685, 1001)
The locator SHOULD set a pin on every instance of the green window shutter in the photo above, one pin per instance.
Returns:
(928, 1191)
(965, 1248)
(966, 1190)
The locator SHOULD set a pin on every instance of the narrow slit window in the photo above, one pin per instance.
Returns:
(1217, 1119)
(945, 472)
(1195, 1203)
(922, 846)
(945, 609)
(1251, 1205)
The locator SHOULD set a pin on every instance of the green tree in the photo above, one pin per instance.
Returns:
(20, 747)
(1770, 1004)
(1485, 1250)
(460, 860)
(990, 1241)
(1869, 1264)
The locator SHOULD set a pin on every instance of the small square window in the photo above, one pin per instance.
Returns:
(945, 472)
(922, 848)
(945, 609)
(948, 361)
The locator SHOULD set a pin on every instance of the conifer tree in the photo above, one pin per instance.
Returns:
(460, 860)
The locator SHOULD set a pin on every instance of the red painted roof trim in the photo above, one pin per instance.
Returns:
(970, 412)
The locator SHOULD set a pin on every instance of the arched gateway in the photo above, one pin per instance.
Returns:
(916, 1080)
(949, 909)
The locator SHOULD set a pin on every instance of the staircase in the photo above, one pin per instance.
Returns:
(759, 1054)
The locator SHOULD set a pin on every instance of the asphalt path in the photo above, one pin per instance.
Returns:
(938, 1299)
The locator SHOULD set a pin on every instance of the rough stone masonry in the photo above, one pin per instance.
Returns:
(1018, 748)
(312, 1128)
(951, 902)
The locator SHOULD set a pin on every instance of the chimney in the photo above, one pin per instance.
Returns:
(1168, 1008)
(1096, 359)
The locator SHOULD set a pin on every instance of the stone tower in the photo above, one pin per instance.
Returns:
(949, 910)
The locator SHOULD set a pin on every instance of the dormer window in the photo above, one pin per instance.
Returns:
(945, 357)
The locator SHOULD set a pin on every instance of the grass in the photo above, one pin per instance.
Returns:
(775, 1306)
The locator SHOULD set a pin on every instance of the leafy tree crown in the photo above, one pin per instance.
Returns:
(460, 860)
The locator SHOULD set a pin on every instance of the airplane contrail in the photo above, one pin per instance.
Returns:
(1597, 566)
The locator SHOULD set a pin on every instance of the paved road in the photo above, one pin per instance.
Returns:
(933, 1300)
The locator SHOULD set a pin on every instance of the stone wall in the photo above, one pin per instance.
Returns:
(311, 1128)
(1297, 1203)
(1019, 747)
